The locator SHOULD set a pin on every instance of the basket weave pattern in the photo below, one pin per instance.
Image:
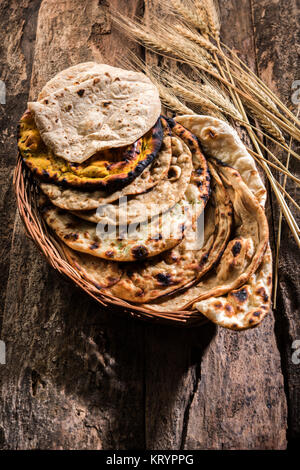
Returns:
(56, 253)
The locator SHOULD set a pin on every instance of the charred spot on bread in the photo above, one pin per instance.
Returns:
(139, 252)
(165, 279)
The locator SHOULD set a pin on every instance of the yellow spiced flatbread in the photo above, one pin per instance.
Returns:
(111, 168)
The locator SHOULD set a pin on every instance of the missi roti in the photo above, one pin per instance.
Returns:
(108, 169)
(76, 199)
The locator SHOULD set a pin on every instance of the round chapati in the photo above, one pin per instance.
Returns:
(92, 107)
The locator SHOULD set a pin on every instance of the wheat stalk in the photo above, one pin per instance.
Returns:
(185, 48)
(283, 190)
(280, 168)
(283, 146)
(186, 12)
(245, 82)
(279, 229)
(168, 43)
(201, 12)
(194, 92)
(264, 164)
(172, 102)
(164, 41)
(205, 104)
(198, 97)
(241, 66)
(213, 18)
(195, 37)
(267, 124)
(223, 102)
(251, 87)
(174, 86)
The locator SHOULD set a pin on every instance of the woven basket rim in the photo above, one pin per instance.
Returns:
(56, 254)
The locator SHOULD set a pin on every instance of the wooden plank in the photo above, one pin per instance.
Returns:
(80, 378)
(210, 388)
(277, 49)
(17, 36)
(74, 374)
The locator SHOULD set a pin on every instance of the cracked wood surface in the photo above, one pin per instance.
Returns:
(78, 377)
(277, 58)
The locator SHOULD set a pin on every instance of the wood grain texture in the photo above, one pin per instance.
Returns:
(78, 377)
(17, 36)
(277, 28)
(74, 374)
(228, 386)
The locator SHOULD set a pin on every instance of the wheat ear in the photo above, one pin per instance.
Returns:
(267, 124)
(195, 19)
(213, 18)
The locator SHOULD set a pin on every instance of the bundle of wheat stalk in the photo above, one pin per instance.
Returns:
(187, 32)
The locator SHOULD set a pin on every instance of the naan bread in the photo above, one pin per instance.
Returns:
(243, 253)
(244, 307)
(173, 269)
(162, 197)
(92, 107)
(221, 141)
(141, 242)
(72, 199)
(105, 274)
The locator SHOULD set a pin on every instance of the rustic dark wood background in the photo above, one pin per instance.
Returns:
(77, 377)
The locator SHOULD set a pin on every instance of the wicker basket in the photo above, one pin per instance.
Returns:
(57, 255)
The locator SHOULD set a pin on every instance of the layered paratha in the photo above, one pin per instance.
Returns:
(169, 191)
(186, 262)
(173, 269)
(105, 274)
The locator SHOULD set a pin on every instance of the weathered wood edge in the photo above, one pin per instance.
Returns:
(276, 26)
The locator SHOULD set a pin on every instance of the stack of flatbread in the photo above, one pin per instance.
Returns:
(163, 213)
